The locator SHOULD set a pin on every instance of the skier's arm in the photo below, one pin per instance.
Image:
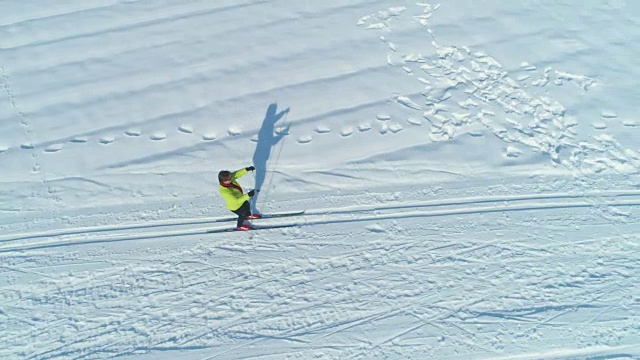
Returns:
(239, 173)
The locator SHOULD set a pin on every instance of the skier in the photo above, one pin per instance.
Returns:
(236, 200)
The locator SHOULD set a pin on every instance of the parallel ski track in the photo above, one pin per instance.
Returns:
(451, 207)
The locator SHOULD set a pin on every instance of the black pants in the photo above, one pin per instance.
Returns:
(243, 212)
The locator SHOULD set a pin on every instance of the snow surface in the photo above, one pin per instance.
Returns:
(469, 170)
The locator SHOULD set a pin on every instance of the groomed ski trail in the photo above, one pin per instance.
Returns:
(360, 213)
(441, 285)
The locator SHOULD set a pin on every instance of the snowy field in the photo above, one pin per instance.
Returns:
(470, 172)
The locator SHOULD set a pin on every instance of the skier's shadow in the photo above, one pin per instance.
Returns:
(267, 139)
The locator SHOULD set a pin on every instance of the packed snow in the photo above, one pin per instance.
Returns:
(469, 172)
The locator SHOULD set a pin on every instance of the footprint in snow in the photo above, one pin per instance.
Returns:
(414, 121)
(304, 139)
(599, 126)
(512, 152)
(438, 136)
(53, 148)
(234, 131)
(3, 148)
(27, 146)
(106, 140)
(158, 136)
(321, 129)
(346, 131)
(608, 114)
(209, 137)
(403, 100)
(395, 128)
(629, 123)
(365, 127)
(133, 132)
(185, 129)
(79, 140)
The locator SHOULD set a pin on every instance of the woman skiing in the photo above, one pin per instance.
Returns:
(237, 201)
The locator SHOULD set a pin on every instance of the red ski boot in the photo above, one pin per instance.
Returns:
(253, 216)
(243, 228)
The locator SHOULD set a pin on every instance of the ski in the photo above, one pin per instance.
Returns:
(265, 216)
(277, 215)
(253, 228)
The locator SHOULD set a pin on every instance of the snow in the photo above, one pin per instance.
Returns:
(469, 171)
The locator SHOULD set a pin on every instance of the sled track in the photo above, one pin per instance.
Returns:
(449, 207)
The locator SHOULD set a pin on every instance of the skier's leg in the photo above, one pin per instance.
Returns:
(243, 212)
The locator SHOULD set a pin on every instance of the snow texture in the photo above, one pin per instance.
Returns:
(469, 170)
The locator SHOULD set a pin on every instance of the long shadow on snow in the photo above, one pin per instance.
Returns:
(267, 139)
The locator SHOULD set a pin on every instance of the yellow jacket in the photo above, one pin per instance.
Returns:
(232, 193)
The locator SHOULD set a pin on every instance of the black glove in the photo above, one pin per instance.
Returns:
(250, 168)
(251, 193)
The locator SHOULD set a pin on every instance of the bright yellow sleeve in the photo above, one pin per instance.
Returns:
(238, 173)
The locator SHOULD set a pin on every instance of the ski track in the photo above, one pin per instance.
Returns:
(157, 299)
(464, 206)
(527, 276)
(310, 322)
